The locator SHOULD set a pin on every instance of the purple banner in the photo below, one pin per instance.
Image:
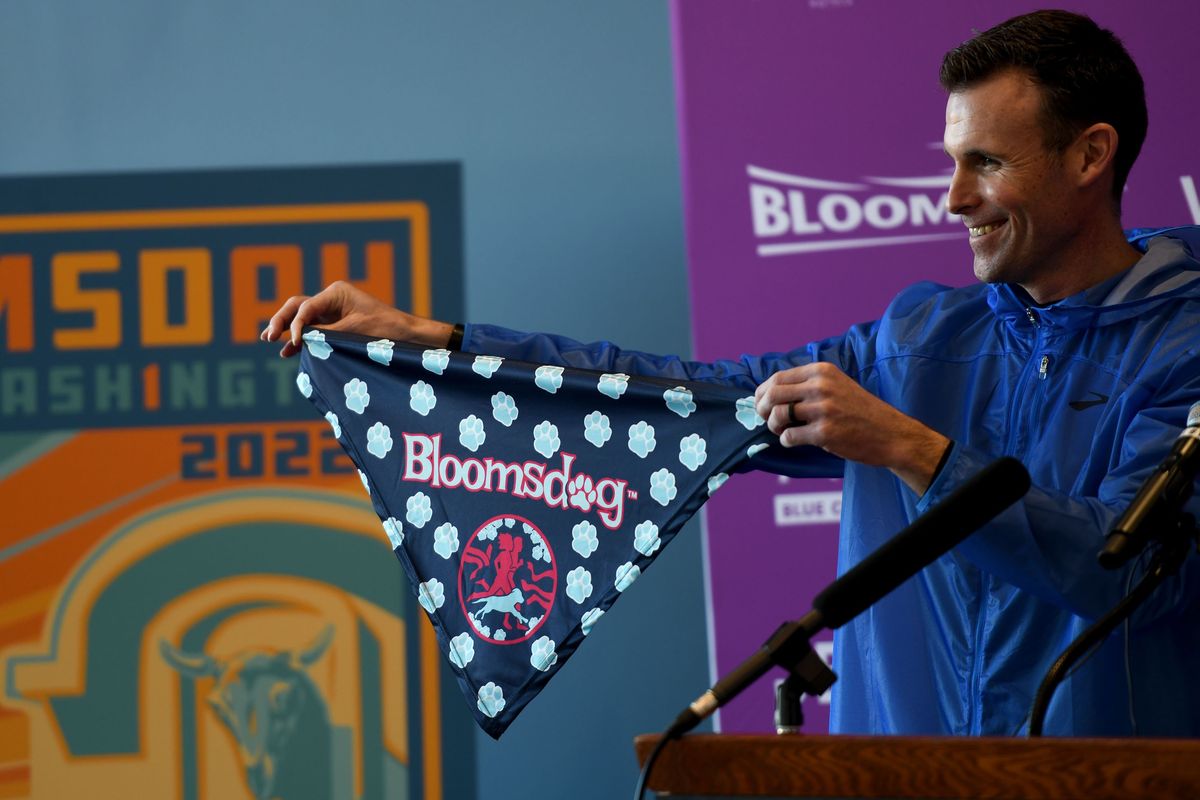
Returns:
(814, 189)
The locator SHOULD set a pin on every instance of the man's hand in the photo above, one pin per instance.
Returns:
(343, 307)
(818, 404)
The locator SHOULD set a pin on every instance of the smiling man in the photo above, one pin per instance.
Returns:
(1075, 354)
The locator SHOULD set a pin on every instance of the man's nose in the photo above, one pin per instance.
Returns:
(963, 194)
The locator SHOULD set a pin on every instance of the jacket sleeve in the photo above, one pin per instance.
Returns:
(1047, 543)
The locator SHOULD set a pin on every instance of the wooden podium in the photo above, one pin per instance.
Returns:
(924, 767)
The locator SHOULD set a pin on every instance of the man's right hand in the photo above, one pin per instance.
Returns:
(340, 306)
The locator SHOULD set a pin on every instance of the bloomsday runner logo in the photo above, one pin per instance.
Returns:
(521, 499)
(794, 214)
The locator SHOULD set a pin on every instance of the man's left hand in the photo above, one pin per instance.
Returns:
(818, 404)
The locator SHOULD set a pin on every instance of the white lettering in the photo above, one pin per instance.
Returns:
(1193, 200)
(808, 508)
(897, 211)
(922, 210)
(800, 223)
(827, 212)
(769, 210)
(418, 456)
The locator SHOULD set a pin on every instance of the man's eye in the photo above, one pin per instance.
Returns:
(988, 161)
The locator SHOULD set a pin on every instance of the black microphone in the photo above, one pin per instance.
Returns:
(1159, 501)
(993, 489)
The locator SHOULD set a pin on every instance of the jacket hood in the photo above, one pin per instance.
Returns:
(1169, 269)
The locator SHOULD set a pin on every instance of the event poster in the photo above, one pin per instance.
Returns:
(814, 189)
(196, 599)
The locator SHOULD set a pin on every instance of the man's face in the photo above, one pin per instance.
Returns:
(1013, 193)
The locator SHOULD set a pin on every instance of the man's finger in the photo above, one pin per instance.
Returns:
(281, 318)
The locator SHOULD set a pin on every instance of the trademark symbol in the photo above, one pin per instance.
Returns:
(631, 494)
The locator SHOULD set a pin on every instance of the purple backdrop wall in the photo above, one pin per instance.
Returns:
(813, 185)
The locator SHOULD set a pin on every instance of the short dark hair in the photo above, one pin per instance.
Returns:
(1085, 74)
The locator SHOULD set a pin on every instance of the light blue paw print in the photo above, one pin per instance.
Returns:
(590, 619)
(379, 440)
(747, 415)
(304, 384)
(317, 346)
(755, 449)
(334, 423)
(418, 510)
(435, 361)
(462, 650)
(431, 595)
(680, 401)
(613, 384)
(645, 538)
(548, 378)
(421, 398)
(504, 408)
(470, 432)
(499, 635)
(489, 531)
(380, 350)
(579, 585)
(486, 365)
(596, 428)
(540, 551)
(357, 396)
(693, 451)
(445, 540)
(542, 655)
(717, 481)
(662, 486)
(491, 698)
(584, 539)
(545, 438)
(362, 476)
(394, 531)
(627, 573)
(641, 438)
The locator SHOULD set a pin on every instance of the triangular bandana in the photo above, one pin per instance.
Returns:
(521, 499)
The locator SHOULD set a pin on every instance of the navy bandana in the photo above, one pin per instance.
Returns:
(521, 500)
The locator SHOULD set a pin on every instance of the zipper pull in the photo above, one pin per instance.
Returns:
(1033, 318)
(1043, 367)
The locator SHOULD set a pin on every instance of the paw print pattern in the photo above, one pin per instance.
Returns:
(362, 476)
(379, 440)
(545, 438)
(755, 449)
(680, 401)
(431, 595)
(590, 619)
(418, 510)
(641, 438)
(540, 551)
(746, 414)
(435, 361)
(486, 365)
(304, 384)
(548, 378)
(334, 423)
(645, 538)
(596, 428)
(662, 486)
(394, 531)
(445, 540)
(357, 396)
(584, 539)
(470, 433)
(717, 481)
(579, 585)
(542, 655)
(317, 346)
(490, 699)
(380, 351)
(462, 650)
(421, 398)
(693, 451)
(613, 384)
(627, 573)
(582, 492)
(504, 409)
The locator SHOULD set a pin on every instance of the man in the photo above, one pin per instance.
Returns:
(1044, 119)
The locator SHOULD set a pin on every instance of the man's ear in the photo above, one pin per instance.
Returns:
(1094, 150)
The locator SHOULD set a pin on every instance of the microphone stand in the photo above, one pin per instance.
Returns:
(1166, 562)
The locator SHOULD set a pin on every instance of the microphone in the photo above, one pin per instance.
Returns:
(993, 489)
(1160, 499)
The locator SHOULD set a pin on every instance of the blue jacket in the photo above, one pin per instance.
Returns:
(1089, 393)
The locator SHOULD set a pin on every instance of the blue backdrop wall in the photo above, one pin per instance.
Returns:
(562, 116)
